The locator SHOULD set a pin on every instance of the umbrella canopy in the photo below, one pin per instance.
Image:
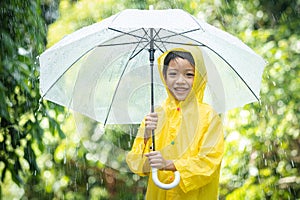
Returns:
(102, 70)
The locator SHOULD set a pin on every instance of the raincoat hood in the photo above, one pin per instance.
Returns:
(181, 119)
(200, 78)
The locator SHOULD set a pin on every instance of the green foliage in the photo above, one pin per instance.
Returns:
(269, 163)
(22, 33)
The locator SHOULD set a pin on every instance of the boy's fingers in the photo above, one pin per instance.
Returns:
(151, 119)
(152, 153)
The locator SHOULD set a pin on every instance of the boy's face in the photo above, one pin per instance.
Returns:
(179, 78)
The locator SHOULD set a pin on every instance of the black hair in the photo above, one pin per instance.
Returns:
(177, 54)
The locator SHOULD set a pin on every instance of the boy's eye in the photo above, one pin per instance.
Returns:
(172, 73)
(190, 74)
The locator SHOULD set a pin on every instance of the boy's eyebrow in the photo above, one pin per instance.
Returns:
(172, 69)
(190, 69)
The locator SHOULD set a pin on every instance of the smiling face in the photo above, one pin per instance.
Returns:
(179, 77)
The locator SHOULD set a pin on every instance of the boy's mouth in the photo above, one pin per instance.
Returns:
(181, 89)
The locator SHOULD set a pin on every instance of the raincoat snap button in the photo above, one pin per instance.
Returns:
(172, 143)
(178, 109)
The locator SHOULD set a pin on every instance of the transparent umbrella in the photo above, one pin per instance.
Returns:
(107, 72)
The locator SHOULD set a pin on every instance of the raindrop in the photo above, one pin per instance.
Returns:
(293, 164)
(65, 159)
(258, 178)
(39, 108)
(130, 133)
(266, 107)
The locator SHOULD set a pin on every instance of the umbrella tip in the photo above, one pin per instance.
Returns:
(151, 7)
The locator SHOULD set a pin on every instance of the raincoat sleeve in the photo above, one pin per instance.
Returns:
(136, 160)
(199, 170)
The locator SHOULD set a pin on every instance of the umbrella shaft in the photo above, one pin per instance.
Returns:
(152, 101)
(151, 58)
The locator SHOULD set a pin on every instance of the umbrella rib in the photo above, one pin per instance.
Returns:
(234, 71)
(117, 44)
(174, 34)
(195, 20)
(45, 93)
(181, 33)
(133, 35)
(157, 35)
(118, 84)
(180, 43)
(146, 33)
(133, 55)
(160, 39)
(115, 92)
(201, 44)
(125, 33)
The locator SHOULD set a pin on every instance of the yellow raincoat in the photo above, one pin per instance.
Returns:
(190, 133)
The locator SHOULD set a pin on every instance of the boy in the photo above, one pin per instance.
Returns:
(188, 133)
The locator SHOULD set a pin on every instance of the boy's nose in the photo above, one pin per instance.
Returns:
(180, 79)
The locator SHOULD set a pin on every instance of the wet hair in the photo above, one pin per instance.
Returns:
(177, 54)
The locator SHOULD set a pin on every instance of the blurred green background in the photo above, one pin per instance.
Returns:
(43, 157)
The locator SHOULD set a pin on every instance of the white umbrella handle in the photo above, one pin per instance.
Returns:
(164, 185)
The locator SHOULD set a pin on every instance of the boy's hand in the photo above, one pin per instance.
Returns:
(150, 124)
(156, 160)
